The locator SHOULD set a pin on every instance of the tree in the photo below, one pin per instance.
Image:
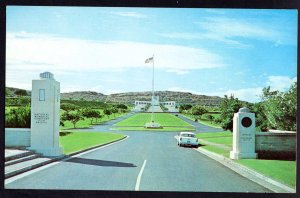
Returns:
(73, 117)
(90, 114)
(114, 111)
(23, 101)
(184, 107)
(122, 106)
(99, 116)
(21, 92)
(107, 112)
(281, 108)
(208, 117)
(228, 107)
(261, 120)
(68, 107)
(198, 111)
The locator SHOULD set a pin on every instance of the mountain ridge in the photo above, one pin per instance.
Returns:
(130, 97)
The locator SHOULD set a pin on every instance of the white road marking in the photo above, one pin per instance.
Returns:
(138, 181)
(20, 176)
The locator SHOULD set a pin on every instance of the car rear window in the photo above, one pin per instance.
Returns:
(188, 135)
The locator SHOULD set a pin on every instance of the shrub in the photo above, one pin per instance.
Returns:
(18, 117)
(229, 106)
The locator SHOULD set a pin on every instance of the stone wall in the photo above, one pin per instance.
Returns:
(17, 137)
(280, 144)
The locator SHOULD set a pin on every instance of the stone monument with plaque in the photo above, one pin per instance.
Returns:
(45, 119)
(243, 141)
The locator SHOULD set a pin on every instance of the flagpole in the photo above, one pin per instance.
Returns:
(152, 115)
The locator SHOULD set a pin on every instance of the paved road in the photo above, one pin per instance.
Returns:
(118, 167)
(146, 161)
(200, 127)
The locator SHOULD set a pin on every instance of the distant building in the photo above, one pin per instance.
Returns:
(170, 105)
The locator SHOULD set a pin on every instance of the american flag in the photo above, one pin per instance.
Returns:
(149, 60)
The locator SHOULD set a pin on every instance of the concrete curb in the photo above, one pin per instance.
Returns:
(62, 157)
(254, 176)
(97, 146)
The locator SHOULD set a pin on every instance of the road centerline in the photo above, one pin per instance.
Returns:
(138, 180)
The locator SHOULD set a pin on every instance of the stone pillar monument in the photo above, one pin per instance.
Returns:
(243, 141)
(45, 106)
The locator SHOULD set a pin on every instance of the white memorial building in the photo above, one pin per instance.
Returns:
(140, 105)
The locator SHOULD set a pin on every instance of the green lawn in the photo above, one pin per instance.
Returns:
(217, 150)
(165, 120)
(76, 141)
(162, 129)
(224, 138)
(282, 171)
(214, 135)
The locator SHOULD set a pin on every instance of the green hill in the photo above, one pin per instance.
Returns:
(129, 97)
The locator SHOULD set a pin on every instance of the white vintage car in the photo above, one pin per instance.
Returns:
(186, 139)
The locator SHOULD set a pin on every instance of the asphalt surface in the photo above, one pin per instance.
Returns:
(200, 127)
(146, 161)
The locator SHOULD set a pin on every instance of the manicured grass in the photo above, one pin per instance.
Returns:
(145, 129)
(165, 119)
(283, 171)
(214, 135)
(76, 141)
(209, 123)
(217, 150)
(221, 140)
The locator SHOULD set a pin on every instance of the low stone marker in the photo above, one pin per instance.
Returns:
(243, 141)
(45, 106)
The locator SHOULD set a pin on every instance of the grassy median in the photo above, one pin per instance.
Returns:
(164, 129)
(281, 170)
(168, 121)
(77, 141)
(165, 119)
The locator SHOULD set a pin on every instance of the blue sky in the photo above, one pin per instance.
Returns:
(202, 51)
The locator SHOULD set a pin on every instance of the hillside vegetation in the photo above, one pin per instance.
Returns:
(130, 97)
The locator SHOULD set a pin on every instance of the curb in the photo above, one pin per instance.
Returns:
(250, 174)
(90, 148)
(59, 158)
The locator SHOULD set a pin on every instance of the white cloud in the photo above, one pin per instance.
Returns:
(178, 71)
(229, 30)
(205, 36)
(233, 27)
(247, 94)
(280, 83)
(36, 52)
